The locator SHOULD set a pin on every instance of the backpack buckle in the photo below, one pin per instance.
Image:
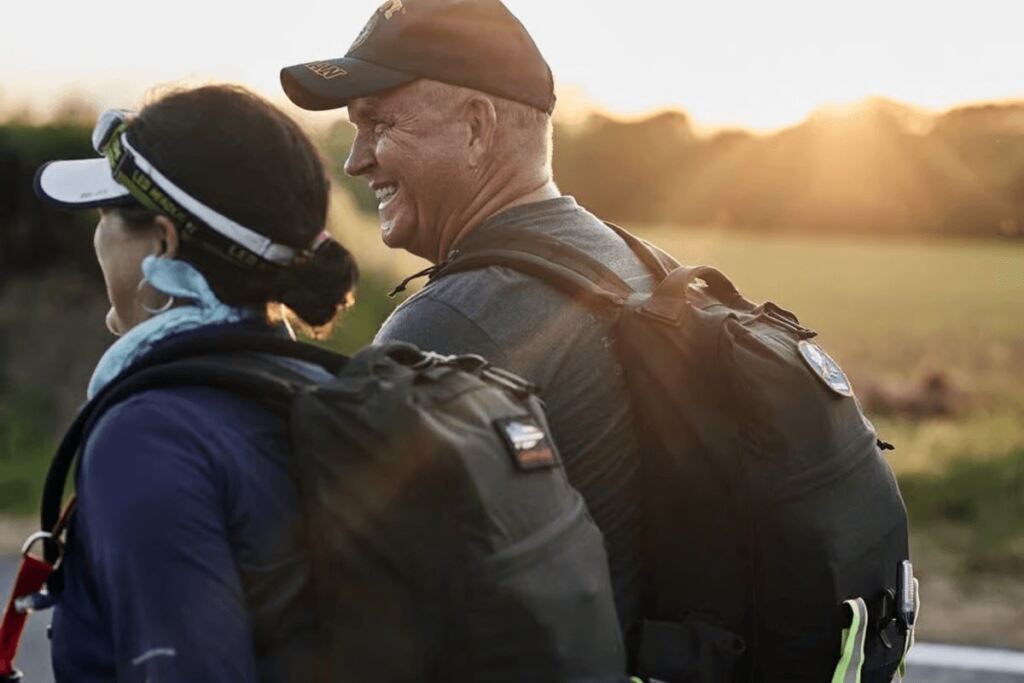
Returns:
(907, 596)
(885, 611)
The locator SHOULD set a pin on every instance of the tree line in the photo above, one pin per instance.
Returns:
(878, 167)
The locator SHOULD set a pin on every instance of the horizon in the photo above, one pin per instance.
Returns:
(727, 65)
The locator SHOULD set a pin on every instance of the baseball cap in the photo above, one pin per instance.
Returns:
(476, 44)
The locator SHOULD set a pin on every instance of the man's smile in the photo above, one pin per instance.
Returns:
(385, 193)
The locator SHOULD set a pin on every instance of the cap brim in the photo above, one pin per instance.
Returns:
(79, 184)
(331, 84)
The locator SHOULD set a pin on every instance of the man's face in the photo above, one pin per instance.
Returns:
(411, 147)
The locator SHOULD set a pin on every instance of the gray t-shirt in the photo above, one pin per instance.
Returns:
(520, 323)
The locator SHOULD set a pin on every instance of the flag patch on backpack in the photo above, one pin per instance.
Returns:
(527, 442)
(825, 368)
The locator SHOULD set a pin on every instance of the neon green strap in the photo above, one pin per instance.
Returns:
(908, 642)
(852, 659)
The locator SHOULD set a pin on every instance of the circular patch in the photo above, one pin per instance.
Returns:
(827, 370)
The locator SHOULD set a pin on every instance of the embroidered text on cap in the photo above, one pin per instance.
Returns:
(326, 70)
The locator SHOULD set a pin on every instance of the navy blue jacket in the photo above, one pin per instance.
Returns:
(182, 559)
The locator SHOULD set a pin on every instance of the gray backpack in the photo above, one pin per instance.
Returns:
(444, 540)
(777, 540)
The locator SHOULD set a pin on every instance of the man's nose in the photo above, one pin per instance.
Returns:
(360, 157)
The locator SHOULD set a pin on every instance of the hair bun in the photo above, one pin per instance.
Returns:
(318, 286)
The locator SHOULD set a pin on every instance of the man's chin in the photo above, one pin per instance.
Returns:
(395, 237)
(389, 235)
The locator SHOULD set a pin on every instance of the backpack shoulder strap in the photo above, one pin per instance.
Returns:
(659, 263)
(197, 360)
(225, 342)
(588, 280)
(564, 278)
(557, 263)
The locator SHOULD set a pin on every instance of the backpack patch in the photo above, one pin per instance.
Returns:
(827, 370)
(527, 442)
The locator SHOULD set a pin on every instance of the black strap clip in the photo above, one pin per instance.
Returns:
(429, 273)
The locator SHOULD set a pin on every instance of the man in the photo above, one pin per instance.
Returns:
(452, 103)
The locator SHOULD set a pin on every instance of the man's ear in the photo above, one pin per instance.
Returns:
(167, 234)
(483, 127)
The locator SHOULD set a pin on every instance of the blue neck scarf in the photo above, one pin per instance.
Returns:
(183, 282)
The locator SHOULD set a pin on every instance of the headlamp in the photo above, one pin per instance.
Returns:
(124, 174)
(197, 222)
(107, 125)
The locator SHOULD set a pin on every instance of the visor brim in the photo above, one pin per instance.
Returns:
(79, 184)
(331, 84)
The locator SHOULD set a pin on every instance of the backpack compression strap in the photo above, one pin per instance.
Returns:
(851, 659)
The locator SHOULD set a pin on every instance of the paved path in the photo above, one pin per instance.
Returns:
(929, 663)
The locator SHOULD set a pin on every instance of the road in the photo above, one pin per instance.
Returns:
(929, 663)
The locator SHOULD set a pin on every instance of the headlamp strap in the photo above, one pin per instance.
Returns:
(142, 188)
(145, 190)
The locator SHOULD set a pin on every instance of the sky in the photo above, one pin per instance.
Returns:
(753, 64)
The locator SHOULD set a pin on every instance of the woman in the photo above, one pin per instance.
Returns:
(212, 209)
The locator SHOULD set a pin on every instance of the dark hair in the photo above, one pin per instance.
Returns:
(243, 157)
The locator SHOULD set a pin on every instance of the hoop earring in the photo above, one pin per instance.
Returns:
(155, 311)
(163, 309)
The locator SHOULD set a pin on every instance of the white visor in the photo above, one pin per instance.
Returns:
(80, 184)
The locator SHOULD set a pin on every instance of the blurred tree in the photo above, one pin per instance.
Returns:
(625, 171)
(34, 237)
(335, 145)
(875, 167)
(75, 109)
(989, 141)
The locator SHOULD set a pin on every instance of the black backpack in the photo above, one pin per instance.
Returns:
(777, 538)
(445, 542)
